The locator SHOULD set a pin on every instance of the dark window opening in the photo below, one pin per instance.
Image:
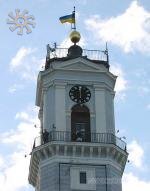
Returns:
(82, 177)
(80, 124)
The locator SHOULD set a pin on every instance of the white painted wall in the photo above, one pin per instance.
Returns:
(100, 109)
(110, 124)
(45, 108)
(60, 110)
(48, 108)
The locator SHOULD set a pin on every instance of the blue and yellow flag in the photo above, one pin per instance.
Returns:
(68, 18)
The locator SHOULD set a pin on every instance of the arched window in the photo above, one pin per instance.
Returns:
(80, 123)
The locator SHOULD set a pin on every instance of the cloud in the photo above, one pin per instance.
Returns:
(129, 30)
(17, 142)
(24, 116)
(132, 182)
(14, 176)
(15, 87)
(136, 154)
(26, 64)
(121, 83)
(1, 161)
(20, 56)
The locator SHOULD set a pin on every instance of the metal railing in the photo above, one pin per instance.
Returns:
(66, 136)
(91, 54)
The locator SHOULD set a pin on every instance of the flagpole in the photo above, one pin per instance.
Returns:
(74, 12)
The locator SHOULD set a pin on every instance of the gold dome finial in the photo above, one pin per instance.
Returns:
(75, 36)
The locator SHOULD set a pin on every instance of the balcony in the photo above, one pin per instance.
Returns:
(66, 136)
(91, 54)
(64, 54)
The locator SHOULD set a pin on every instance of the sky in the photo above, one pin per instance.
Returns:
(125, 26)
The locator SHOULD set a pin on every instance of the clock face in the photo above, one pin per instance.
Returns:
(80, 94)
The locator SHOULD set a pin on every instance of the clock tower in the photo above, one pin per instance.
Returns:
(77, 149)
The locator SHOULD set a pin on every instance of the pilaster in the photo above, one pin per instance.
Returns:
(60, 106)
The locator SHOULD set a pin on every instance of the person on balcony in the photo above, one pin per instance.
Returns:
(45, 136)
(79, 137)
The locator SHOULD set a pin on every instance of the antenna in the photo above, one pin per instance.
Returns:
(106, 52)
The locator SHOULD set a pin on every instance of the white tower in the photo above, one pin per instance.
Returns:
(77, 149)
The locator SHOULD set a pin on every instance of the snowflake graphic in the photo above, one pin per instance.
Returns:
(21, 21)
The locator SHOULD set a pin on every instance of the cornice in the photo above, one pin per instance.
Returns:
(92, 153)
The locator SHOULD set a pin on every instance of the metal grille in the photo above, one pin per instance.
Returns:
(91, 54)
(65, 136)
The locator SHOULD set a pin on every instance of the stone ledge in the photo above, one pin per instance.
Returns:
(90, 152)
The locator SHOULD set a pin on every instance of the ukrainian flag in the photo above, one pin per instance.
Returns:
(68, 18)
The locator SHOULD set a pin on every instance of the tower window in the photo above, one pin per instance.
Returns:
(82, 177)
(80, 124)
